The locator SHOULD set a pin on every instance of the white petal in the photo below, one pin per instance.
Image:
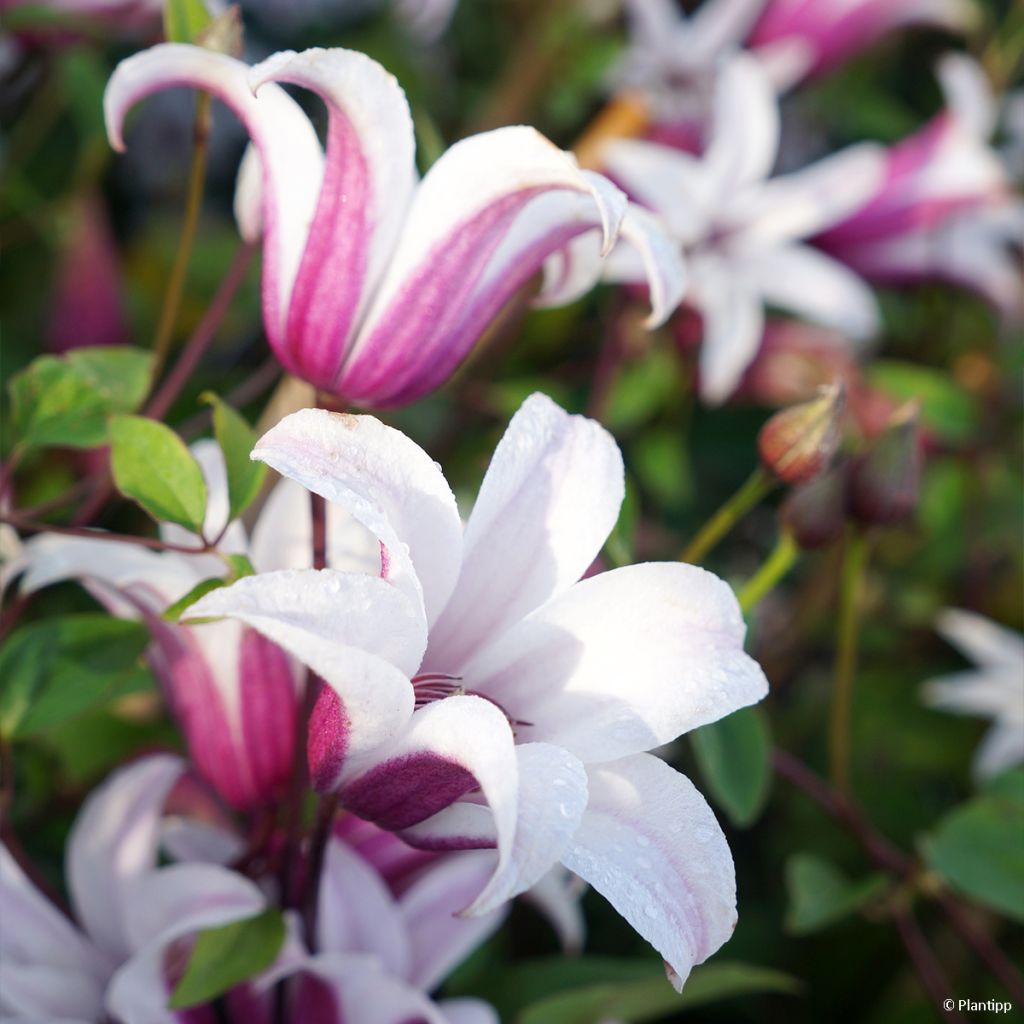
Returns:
(722, 24)
(651, 846)
(1002, 748)
(803, 280)
(37, 993)
(468, 1011)
(557, 897)
(733, 317)
(113, 841)
(623, 662)
(982, 640)
(441, 937)
(968, 93)
(387, 482)
(548, 501)
(357, 912)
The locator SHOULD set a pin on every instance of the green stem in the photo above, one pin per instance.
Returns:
(776, 565)
(193, 205)
(854, 559)
(758, 484)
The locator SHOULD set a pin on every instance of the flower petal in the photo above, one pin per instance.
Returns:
(468, 1011)
(114, 841)
(289, 151)
(37, 993)
(623, 662)
(388, 483)
(548, 501)
(367, 185)
(650, 845)
(455, 265)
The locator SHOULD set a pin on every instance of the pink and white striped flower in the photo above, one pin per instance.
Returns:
(993, 689)
(480, 694)
(741, 232)
(131, 914)
(945, 209)
(673, 57)
(377, 285)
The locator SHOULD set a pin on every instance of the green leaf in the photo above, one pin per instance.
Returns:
(173, 612)
(236, 440)
(152, 466)
(240, 566)
(223, 957)
(733, 755)
(946, 409)
(977, 847)
(820, 894)
(634, 1000)
(184, 20)
(66, 400)
(54, 670)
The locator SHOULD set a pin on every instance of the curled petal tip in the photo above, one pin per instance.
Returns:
(269, 69)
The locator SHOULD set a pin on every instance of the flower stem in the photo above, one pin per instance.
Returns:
(854, 558)
(774, 568)
(757, 485)
(193, 204)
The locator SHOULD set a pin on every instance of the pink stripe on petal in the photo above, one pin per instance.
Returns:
(328, 740)
(268, 701)
(407, 790)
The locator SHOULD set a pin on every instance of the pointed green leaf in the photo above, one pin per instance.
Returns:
(236, 440)
(65, 400)
(820, 894)
(173, 612)
(734, 757)
(224, 957)
(152, 466)
(184, 20)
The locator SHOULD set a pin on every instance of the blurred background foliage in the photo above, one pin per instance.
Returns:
(544, 62)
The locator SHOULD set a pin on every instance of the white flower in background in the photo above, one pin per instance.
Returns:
(130, 912)
(994, 689)
(741, 231)
(477, 695)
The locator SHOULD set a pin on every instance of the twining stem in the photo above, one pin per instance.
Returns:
(757, 485)
(776, 565)
(925, 963)
(30, 526)
(193, 205)
(854, 558)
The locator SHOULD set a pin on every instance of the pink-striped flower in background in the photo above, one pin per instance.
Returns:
(741, 231)
(672, 58)
(477, 695)
(945, 209)
(377, 285)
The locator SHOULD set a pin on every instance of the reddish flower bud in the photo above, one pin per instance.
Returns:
(815, 512)
(797, 443)
(885, 482)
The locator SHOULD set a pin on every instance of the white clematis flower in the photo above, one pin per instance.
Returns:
(995, 689)
(479, 694)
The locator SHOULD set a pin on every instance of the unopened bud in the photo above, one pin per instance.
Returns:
(815, 512)
(886, 480)
(798, 443)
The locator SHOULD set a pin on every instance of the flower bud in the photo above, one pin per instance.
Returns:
(885, 482)
(797, 443)
(815, 512)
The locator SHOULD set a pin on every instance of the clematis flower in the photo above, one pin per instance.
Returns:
(232, 692)
(991, 690)
(478, 693)
(672, 57)
(741, 232)
(944, 210)
(133, 916)
(376, 285)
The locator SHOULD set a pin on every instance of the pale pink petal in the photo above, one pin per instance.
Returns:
(452, 270)
(166, 905)
(357, 912)
(549, 499)
(968, 93)
(440, 936)
(290, 153)
(718, 25)
(367, 185)
(37, 993)
(112, 843)
(552, 798)
(623, 662)
(651, 846)
(388, 483)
